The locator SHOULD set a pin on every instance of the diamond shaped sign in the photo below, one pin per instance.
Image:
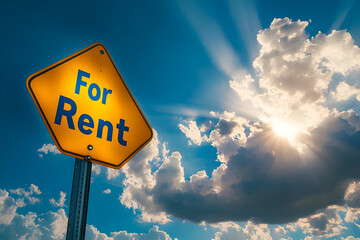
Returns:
(88, 109)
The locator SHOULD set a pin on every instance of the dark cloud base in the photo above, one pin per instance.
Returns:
(268, 181)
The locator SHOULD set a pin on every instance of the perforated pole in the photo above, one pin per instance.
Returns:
(79, 200)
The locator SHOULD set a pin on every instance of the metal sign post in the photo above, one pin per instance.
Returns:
(79, 200)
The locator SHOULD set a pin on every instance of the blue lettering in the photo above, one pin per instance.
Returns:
(67, 113)
(122, 128)
(103, 123)
(97, 94)
(93, 96)
(105, 93)
(80, 82)
(82, 123)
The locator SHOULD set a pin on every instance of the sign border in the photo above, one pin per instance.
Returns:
(35, 75)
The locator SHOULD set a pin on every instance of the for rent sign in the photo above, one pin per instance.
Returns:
(88, 109)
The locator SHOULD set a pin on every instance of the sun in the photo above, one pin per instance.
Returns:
(285, 130)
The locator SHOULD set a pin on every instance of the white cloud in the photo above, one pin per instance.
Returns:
(336, 51)
(13, 225)
(107, 191)
(8, 207)
(250, 232)
(61, 202)
(352, 195)
(48, 148)
(225, 226)
(289, 85)
(291, 227)
(154, 233)
(344, 91)
(294, 74)
(284, 66)
(326, 223)
(352, 118)
(92, 233)
(96, 169)
(22, 227)
(228, 135)
(22, 192)
(33, 200)
(51, 225)
(280, 230)
(20, 202)
(352, 216)
(140, 181)
(350, 238)
(352, 199)
(206, 125)
(58, 225)
(192, 131)
(33, 189)
(112, 173)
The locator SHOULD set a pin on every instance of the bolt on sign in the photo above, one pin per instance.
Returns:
(88, 109)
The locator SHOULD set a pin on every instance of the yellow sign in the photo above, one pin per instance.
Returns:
(88, 109)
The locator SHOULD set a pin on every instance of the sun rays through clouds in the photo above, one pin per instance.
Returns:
(291, 162)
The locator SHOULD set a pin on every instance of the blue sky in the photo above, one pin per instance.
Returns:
(254, 105)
